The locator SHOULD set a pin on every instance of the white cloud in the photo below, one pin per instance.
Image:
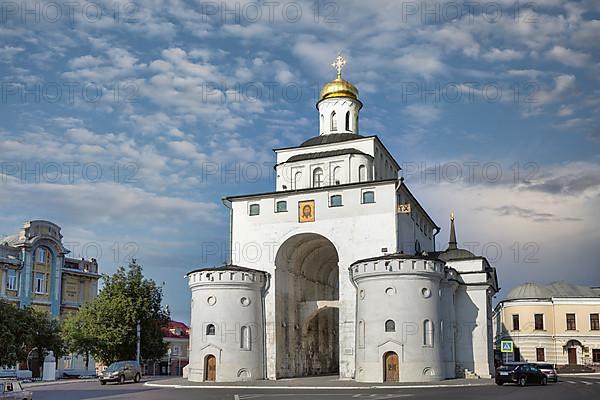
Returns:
(552, 216)
(420, 63)
(117, 63)
(565, 110)
(422, 113)
(496, 54)
(7, 53)
(563, 86)
(530, 73)
(101, 203)
(185, 149)
(569, 57)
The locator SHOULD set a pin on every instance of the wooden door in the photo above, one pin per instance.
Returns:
(391, 373)
(572, 356)
(211, 368)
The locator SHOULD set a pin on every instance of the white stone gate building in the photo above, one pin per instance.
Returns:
(335, 272)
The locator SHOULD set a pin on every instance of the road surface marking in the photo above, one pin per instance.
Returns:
(362, 396)
(258, 387)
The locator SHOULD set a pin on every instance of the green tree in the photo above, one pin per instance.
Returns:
(110, 321)
(23, 330)
(77, 336)
(45, 333)
(14, 335)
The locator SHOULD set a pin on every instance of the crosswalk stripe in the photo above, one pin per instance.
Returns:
(571, 382)
(587, 383)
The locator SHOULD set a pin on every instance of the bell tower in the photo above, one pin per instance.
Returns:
(338, 104)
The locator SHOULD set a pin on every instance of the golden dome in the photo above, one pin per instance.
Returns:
(339, 88)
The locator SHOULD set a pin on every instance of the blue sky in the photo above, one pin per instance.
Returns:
(191, 89)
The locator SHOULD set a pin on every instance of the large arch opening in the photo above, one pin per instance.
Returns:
(306, 307)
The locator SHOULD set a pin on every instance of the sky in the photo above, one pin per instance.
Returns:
(126, 122)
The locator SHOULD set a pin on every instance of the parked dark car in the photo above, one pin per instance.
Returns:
(520, 374)
(549, 370)
(12, 390)
(121, 371)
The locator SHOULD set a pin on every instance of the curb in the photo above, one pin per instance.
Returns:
(580, 374)
(259, 387)
(33, 385)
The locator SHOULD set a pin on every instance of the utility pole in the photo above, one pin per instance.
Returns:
(139, 339)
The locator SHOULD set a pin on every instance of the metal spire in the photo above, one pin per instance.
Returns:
(452, 242)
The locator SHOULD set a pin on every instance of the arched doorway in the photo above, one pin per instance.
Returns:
(391, 368)
(306, 278)
(210, 368)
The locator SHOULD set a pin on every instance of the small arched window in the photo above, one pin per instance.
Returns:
(368, 197)
(317, 177)
(362, 173)
(41, 255)
(210, 330)
(297, 177)
(348, 121)
(336, 178)
(245, 338)
(417, 247)
(254, 209)
(427, 333)
(361, 334)
(335, 200)
(390, 326)
(333, 121)
(281, 206)
(322, 126)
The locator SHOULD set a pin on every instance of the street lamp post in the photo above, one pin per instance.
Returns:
(169, 352)
(138, 345)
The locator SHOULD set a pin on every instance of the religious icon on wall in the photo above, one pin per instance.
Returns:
(306, 211)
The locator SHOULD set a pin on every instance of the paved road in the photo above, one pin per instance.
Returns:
(576, 388)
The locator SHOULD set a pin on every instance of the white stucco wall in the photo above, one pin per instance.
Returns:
(356, 230)
(299, 175)
(217, 299)
(380, 165)
(474, 342)
(406, 291)
(341, 106)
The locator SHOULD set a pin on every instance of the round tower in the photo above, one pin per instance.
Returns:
(400, 319)
(338, 104)
(227, 324)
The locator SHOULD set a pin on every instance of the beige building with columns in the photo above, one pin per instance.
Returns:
(556, 323)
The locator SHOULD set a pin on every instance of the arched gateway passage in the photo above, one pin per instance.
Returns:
(306, 306)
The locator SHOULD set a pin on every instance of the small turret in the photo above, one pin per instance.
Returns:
(338, 104)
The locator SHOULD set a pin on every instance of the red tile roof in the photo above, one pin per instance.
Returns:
(176, 329)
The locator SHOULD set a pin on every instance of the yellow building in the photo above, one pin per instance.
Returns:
(556, 323)
(35, 271)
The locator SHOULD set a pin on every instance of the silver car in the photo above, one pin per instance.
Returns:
(121, 371)
(550, 371)
(11, 389)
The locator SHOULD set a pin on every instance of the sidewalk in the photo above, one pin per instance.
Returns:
(320, 382)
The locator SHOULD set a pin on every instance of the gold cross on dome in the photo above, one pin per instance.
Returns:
(338, 64)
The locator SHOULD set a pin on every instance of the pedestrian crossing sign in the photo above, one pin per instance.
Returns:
(506, 346)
